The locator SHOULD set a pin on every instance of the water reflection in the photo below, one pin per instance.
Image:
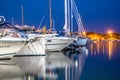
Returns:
(103, 47)
(54, 66)
(10, 71)
(110, 49)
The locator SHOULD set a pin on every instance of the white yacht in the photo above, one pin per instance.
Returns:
(10, 40)
(51, 42)
(33, 47)
(47, 42)
(10, 45)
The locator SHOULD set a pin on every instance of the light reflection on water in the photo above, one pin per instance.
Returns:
(54, 66)
(103, 47)
(103, 61)
(110, 49)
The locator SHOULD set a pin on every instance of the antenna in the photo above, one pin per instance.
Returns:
(50, 15)
(22, 15)
(53, 25)
(12, 21)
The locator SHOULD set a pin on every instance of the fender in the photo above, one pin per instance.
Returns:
(2, 20)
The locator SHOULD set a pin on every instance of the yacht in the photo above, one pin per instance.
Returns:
(9, 46)
(51, 42)
(32, 48)
(11, 41)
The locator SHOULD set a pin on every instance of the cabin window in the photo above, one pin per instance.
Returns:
(49, 40)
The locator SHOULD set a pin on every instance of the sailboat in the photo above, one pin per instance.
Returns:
(53, 42)
(70, 12)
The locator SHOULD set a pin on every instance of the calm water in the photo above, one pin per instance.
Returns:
(54, 66)
(103, 62)
(97, 61)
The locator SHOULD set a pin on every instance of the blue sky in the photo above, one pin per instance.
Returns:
(97, 15)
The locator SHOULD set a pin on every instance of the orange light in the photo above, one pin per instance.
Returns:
(110, 49)
(110, 32)
(84, 33)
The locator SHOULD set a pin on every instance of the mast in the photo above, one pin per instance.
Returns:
(22, 15)
(71, 15)
(50, 10)
(68, 8)
(70, 11)
(67, 16)
(66, 20)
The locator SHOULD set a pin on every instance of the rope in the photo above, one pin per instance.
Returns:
(77, 17)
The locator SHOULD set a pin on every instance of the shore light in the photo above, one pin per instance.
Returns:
(109, 31)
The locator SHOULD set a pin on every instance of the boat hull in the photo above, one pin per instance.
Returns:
(55, 43)
(32, 48)
(10, 46)
(81, 41)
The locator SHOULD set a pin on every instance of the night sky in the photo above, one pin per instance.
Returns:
(97, 15)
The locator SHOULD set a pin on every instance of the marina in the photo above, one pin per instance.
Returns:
(40, 43)
(59, 40)
(39, 56)
(72, 65)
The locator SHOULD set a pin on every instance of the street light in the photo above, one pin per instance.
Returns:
(110, 32)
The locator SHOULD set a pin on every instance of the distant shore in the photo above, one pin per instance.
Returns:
(100, 36)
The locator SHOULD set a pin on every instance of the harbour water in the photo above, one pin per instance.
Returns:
(103, 61)
(54, 66)
(97, 61)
